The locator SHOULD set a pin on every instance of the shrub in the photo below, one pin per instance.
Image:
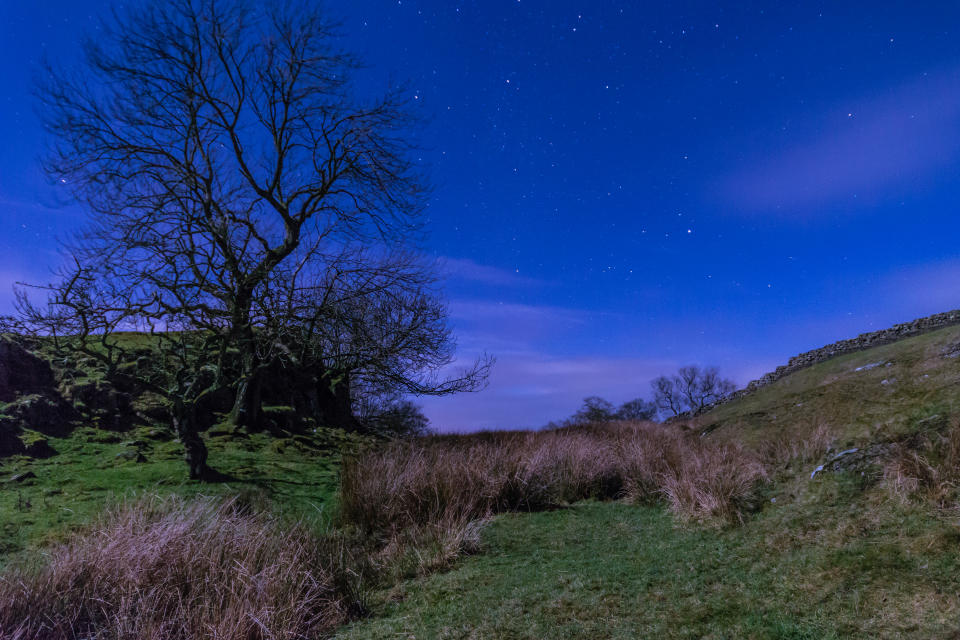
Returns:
(471, 477)
(926, 467)
(170, 569)
(800, 445)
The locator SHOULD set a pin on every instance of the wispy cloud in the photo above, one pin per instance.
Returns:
(527, 389)
(466, 270)
(489, 310)
(31, 205)
(548, 359)
(504, 327)
(865, 150)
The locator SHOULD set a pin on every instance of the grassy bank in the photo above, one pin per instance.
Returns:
(812, 570)
(716, 529)
(405, 510)
(93, 469)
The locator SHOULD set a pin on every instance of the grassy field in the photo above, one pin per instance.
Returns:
(635, 531)
(94, 468)
(843, 555)
(817, 568)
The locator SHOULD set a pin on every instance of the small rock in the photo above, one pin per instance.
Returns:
(928, 419)
(131, 454)
(21, 477)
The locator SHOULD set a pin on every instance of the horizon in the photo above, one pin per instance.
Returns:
(622, 191)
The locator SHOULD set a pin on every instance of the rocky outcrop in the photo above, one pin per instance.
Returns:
(40, 413)
(861, 342)
(101, 403)
(30, 404)
(21, 372)
(46, 413)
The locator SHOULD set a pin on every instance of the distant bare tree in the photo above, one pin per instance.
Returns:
(240, 190)
(594, 409)
(637, 409)
(690, 389)
(597, 409)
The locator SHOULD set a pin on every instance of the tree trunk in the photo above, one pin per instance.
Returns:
(335, 405)
(195, 451)
(246, 405)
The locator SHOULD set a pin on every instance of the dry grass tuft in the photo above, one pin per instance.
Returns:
(712, 482)
(792, 446)
(176, 569)
(442, 479)
(928, 468)
(170, 569)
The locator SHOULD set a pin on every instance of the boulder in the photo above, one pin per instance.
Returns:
(131, 454)
(21, 372)
(112, 409)
(47, 413)
(10, 442)
(862, 459)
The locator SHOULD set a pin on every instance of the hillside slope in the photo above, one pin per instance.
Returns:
(879, 394)
(866, 549)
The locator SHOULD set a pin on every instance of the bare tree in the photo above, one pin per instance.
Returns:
(376, 325)
(215, 141)
(597, 409)
(637, 409)
(89, 315)
(240, 190)
(392, 415)
(691, 389)
(594, 409)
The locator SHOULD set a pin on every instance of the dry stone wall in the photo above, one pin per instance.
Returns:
(861, 342)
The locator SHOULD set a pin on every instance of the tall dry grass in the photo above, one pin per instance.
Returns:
(804, 444)
(177, 569)
(470, 477)
(172, 569)
(926, 467)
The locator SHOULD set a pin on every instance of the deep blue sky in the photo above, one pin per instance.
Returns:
(624, 188)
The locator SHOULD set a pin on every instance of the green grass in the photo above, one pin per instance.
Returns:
(296, 476)
(811, 568)
(835, 557)
(856, 405)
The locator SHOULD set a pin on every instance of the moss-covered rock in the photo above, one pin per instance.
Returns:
(36, 445)
(22, 372)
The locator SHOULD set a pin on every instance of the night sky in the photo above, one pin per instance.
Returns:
(623, 188)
